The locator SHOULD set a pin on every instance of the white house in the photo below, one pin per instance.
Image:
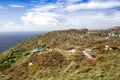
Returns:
(112, 34)
(37, 49)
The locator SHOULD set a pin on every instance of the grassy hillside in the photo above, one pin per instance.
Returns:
(58, 63)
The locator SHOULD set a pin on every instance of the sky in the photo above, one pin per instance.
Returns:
(47, 15)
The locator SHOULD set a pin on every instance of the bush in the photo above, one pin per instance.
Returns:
(4, 66)
(51, 59)
(26, 53)
(40, 42)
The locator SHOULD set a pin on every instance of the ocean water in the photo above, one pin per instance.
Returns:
(8, 39)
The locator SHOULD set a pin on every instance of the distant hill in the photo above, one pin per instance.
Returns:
(117, 27)
(75, 54)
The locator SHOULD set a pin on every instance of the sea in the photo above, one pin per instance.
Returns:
(9, 39)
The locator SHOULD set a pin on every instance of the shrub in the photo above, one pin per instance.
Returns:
(51, 59)
(40, 42)
(4, 66)
(26, 53)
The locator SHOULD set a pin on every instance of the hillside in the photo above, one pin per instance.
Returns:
(63, 56)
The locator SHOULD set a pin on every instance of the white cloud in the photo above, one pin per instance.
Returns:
(56, 17)
(73, 1)
(42, 16)
(39, 18)
(103, 0)
(11, 24)
(2, 7)
(60, 16)
(94, 5)
(16, 6)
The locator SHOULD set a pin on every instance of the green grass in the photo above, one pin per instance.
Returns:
(60, 64)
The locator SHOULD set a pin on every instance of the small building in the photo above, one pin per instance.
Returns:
(112, 34)
(37, 49)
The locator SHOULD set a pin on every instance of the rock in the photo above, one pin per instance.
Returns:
(88, 50)
(72, 51)
(30, 64)
(87, 55)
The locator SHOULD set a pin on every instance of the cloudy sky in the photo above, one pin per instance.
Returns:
(42, 15)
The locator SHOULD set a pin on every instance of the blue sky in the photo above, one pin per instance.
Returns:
(42, 15)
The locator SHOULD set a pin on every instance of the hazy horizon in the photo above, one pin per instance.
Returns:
(9, 39)
(50, 30)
